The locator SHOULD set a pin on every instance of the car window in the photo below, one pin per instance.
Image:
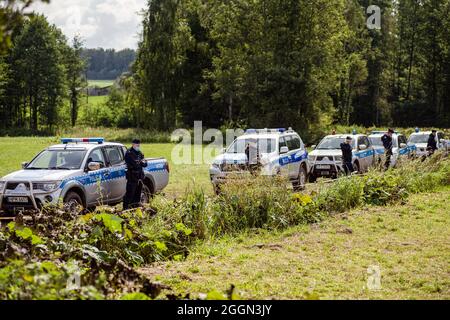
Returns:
(402, 139)
(58, 160)
(288, 140)
(361, 141)
(294, 143)
(282, 143)
(440, 136)
(367, 142)
(97, 156)
(115, 156)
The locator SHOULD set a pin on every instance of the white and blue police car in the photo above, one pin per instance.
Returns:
(273, 151)
(400, 147)
(326, 159)
(420, 140)
(79, 172)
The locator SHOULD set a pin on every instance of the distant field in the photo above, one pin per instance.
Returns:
(100, 83)
(17, 150)
(96, 100)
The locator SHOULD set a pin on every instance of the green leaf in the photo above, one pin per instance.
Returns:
(161, 246)
(111, 221)
(135, 296)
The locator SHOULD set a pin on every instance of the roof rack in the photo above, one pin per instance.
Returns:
(82, 140)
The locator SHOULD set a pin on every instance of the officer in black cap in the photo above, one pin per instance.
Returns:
(136, 163)
(388, 144)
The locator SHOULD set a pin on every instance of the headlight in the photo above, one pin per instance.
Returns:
(338, 159)
(48, 187)
(313, 159)
(2, 185)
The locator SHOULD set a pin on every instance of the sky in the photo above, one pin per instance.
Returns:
(101, 23)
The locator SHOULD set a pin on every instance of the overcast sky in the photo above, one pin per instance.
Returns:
(101, 23)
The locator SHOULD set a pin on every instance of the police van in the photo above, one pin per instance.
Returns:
(400, 147)
(270, 151)
(84, 172)
(326, 159)
(420, 140)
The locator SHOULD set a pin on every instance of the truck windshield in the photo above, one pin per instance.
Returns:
(332, 143)
(377, 142)
(419, 138)
(263, 145)
(58, 160)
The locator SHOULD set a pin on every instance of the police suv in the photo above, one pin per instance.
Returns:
(273, 151)
(326, 159)
(78, 173)
(420, 140)
(400, 147)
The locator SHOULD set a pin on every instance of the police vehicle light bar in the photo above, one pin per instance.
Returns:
(276, 130)
(82, 140)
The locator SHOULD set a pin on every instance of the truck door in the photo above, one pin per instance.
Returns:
(294, 151)
(117, 182)
(284, 158)
(97, 191)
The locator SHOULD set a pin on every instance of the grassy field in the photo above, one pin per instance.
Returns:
(100, 83)
(330, 260)
(96, 100)
(18, 149)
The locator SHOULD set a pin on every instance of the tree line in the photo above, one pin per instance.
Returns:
(258, 63)
(293, 63)
(41, 78)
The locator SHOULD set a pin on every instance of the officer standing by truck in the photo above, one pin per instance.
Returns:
(347, 155)
(136, 163)
(387, 144)
(432, 142)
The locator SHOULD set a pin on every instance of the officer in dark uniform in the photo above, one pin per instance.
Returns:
(347, 155)
(432, 143)
(387, 144)
(135, 175)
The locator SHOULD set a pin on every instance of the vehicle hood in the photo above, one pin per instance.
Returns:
(324, 153)
(239, 158)
(231, 158)
(41, 175)
(421, 145)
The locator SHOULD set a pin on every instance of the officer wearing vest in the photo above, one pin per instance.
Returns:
(387, 143)
(347, 155)
(136, 163)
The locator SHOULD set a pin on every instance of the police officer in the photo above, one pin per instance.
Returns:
(347, 155)
(135, 175)
(432, 142)
(387, 144)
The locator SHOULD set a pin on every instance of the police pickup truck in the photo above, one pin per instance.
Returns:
(271, 151)
(77, 173)
(420, 140)
(326, 159)
(400, 147)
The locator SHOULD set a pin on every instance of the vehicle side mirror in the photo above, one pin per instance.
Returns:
(314, 146)
(362, 147)
(403, 145)
(94, 166)
(224, 150)
(25, 165)
(284, 150)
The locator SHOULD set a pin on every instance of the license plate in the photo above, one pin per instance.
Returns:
(323, 166)
(325, 173)
(18, 199)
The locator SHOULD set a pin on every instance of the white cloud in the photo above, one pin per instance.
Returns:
(102, 23)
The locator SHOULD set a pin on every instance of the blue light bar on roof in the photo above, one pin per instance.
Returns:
(253, 131)
(82, 140)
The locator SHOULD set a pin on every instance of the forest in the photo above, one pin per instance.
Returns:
(293, 63)
(107, 64)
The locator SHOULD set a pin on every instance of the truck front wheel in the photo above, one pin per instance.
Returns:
(73, 202)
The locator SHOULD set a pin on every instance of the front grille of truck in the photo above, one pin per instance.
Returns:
(13, 185)
(233, 167)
